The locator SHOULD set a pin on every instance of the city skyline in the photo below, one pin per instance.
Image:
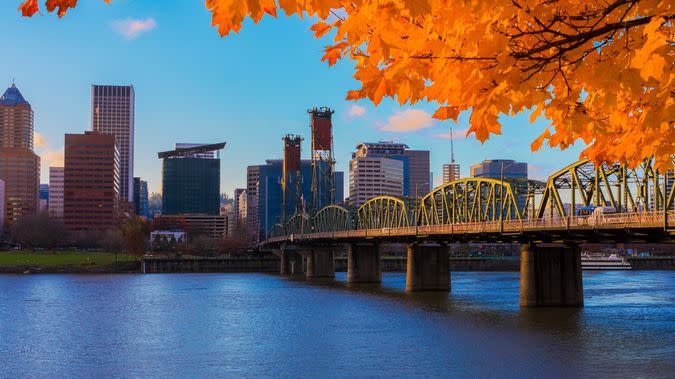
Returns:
(183, 99)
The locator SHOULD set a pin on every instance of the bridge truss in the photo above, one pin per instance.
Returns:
(618, 186)
(469, 200)
(383, 212)
(482, 200)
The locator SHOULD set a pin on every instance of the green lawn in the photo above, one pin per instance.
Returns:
(59, 258)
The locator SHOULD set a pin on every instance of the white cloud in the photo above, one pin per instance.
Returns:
(39, 140)
(457, 134)
(49, 155)
(51, 158)
(132, 28)
(409, 120)
(356, 111)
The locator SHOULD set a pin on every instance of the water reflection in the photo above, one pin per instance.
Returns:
(265, 325)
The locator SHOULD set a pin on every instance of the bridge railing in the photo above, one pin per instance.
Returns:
(606, 221)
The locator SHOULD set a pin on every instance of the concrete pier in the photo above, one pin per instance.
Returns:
(428, 268)
(291, 262)
(320, 261)
(363, 264)
(550, 275)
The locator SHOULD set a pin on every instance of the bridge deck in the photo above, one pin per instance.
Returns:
(633, 226)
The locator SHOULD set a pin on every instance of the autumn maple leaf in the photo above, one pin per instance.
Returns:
(600, 72)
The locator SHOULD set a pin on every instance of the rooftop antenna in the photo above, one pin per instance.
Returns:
(452, 148)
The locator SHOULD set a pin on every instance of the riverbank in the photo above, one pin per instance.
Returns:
(66, 262)
(106, 263)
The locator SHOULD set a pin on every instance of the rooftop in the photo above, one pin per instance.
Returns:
(382, 145)
(13, 97)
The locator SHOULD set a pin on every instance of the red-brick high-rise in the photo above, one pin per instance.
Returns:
(19, 166)
(91, 182)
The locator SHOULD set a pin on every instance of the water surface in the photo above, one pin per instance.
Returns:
(224, 325)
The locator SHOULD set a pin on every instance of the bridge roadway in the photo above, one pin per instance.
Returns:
(550, 255)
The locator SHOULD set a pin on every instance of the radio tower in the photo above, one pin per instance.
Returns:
(291, 167)
(323, 162)
(452, 149)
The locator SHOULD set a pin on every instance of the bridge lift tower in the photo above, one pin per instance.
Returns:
(291, 168)
(323, 161)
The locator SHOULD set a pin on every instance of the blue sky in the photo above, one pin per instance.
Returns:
(248, 89)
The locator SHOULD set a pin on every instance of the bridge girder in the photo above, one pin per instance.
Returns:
(382, 212)
(626, 189)
(469, 200)
(298, 224)
(332, 218)
(277, 230)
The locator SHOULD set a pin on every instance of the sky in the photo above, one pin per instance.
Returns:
(248, 89)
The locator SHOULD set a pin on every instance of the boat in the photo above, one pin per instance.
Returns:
(603, 262)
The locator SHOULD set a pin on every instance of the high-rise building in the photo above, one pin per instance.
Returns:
(19, 165)
(264, 194)
(242, 206)
(16, 119)
(370, 177)
(44, 197)
(339, 177)
(508, 170)
(140, 197)
(499, 168)
(236, 205)
(201, 154)
(450, 172)
(195, 224)
(416, 169)
(190, 183)
(91, 181)
(56, 192)
(238, 211)
(113, 112)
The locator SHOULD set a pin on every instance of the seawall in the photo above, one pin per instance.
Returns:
(233, 265)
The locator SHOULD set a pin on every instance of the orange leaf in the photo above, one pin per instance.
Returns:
(444, 113)
(29, 7)
(333, 53)
(536, 145)
(62, 5)
(320, 29)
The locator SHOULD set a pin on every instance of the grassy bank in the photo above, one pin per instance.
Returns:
(60, 258)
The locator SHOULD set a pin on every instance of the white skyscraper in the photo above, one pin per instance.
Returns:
(113, 112)
(450, 172)
(370, 177)
(56, 192)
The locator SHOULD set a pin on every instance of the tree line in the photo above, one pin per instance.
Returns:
(131, 235)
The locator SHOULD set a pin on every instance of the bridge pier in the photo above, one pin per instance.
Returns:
(428, 268)
(550, 276)
(320, 261)
(363, 264)
(291, 262)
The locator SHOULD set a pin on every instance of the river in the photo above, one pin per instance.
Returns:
(233, 325)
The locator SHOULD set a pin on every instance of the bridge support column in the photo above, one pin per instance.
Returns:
(320, 262)
(428, 268)
(363, 264)
(291, 262)
(550, 276)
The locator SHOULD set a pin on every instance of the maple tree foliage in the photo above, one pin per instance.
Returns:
(600, 70)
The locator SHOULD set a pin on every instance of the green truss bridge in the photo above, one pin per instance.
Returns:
(578, 204)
